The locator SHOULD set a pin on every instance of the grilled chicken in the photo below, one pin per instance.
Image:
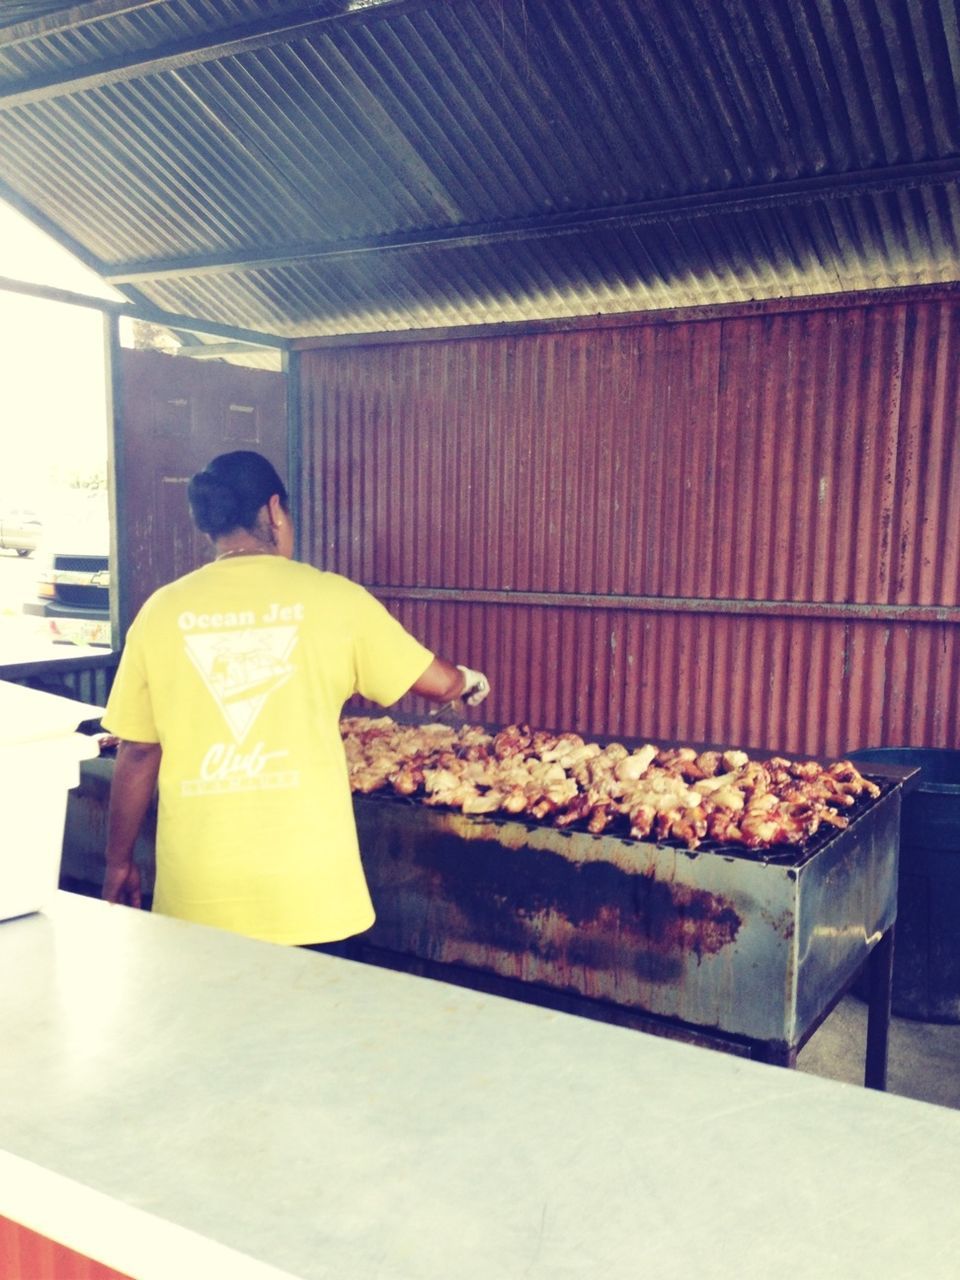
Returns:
(670, 793)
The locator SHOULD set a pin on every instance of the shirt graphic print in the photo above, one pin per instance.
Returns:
(243, 661)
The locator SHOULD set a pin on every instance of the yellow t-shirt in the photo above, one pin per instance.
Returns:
(240, 671)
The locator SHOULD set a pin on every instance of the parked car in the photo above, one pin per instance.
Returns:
(19, 530)
(73, 583)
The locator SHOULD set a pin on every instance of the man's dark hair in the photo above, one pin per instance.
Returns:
(229, 492)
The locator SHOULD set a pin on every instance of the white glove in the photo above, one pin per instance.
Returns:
(476, 686)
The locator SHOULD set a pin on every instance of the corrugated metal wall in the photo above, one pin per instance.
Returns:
(734, 527)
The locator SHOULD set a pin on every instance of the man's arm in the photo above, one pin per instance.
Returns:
(134, 785)
(443, 682)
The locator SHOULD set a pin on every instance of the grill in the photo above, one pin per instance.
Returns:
(80, 564)
(744, 950)
(734, 946)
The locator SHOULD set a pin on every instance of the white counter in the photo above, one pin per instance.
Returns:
(335, 1120)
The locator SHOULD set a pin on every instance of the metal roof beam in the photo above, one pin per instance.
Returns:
(50, 228)
(70, 19)
(216, 350)
(66, 241)
(206, 48)
(770, 195)
(138, 311)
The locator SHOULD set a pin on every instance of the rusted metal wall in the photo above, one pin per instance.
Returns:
(734, 526)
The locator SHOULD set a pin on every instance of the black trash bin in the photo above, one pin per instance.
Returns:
(926, 962)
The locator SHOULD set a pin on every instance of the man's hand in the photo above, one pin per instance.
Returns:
(444, 682)
(476, 686)
(134, 784)
(122, 884)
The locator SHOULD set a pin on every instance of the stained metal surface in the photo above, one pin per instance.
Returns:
(330, 168)
(738, 529)
(744, 947)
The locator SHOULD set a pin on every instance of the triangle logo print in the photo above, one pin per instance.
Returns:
(242, 669)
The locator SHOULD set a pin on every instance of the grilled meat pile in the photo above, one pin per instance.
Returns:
(672, 793)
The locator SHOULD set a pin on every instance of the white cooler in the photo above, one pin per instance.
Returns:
(40, 755)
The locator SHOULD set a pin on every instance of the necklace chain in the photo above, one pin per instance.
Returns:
(240, 551)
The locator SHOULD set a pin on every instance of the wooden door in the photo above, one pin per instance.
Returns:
(173, 416)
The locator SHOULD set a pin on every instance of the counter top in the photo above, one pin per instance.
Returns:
(336, 1120)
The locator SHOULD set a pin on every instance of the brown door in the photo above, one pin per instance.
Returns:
(174, 415)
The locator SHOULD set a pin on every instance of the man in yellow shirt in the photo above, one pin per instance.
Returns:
(228, 695)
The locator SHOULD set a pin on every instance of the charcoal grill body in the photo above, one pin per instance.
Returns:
(732, 950)
(736, 948)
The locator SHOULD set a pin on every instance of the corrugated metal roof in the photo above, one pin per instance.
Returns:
(408, 163)
(835, 247)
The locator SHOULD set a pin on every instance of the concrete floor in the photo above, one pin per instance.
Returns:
(924, 1059)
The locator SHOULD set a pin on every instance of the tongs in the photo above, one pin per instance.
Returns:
(448, 713)
(476, 686)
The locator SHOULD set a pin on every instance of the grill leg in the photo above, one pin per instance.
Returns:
(880, 977)
(774, 1054)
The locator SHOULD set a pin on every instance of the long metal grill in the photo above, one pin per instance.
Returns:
(743, 944)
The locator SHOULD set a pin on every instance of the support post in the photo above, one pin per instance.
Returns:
(880, 978)
(120, 569)
(291, 371)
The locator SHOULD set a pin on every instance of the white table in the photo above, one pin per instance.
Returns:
(337, 1120)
